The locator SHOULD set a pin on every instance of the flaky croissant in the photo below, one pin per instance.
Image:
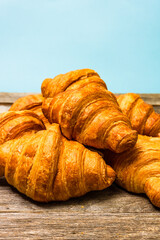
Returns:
(32, 102)
(86, 111)
(15, 124)
(138, 169)
(142, 115)
(46, 166)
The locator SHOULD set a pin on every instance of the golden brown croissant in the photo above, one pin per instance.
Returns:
(14, 124)
(87, 111)
(142, 115)
(31, 102)
(46, 166)
(138, 169)
(27, 102)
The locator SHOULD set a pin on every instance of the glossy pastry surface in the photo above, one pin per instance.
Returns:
(141, 114)
(16, 123)
(138, 170)
(86, 111)
(33, 103)
(43, 164)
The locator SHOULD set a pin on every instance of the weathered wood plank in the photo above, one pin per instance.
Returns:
(157, 108)
(112, 213)
(6, 97)
(80, 226)
(153, 99)
(4, 107)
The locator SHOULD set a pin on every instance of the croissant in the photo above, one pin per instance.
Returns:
(15, 124)
(142, 115)
(86, 111)
(43, 164)
(33, 103)
(138, 169)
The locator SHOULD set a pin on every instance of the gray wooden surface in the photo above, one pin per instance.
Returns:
(109, 214)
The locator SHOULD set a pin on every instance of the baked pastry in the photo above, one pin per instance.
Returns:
(31, 102)
(46, 166)
(27, 102)
(14, 124)
(138, 169)
(86, 111)
(141, 114)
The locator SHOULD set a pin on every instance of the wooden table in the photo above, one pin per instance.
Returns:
(109, 214)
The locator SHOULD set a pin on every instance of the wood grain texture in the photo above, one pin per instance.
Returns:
(6, 97)
(109, 214)
(4, 107)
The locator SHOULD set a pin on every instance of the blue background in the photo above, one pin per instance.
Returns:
(120, 39)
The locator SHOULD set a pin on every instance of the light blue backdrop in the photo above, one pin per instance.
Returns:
(120, 39)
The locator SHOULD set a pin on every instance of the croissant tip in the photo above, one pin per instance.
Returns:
(111, 175)
(152, 190)
(127, 142)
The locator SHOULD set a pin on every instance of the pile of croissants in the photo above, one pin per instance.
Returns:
(78, 137)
